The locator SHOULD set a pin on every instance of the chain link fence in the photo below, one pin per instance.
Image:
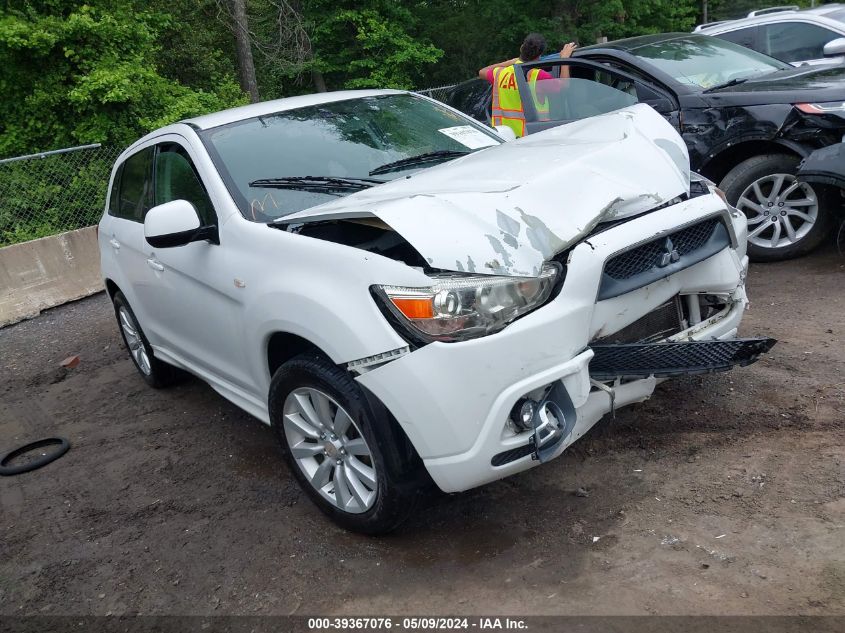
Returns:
(52, 192)
(438, 93)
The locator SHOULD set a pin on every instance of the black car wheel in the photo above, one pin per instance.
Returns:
(156, 373)
(346, 454)
(786, 218)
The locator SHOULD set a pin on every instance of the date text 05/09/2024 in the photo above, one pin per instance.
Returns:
(417, 623)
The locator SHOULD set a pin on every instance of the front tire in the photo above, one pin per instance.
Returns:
(156, 374)
(344, 450)
(786, 218)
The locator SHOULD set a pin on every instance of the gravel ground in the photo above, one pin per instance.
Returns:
(723, 494)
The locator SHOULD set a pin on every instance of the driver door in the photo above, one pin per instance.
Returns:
(200, 311)
(590, 89)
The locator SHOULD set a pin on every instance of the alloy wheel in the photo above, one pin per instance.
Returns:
(134, 342)
(330, 450)
(781, 211)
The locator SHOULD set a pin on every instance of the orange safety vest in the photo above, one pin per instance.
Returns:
(507, 104)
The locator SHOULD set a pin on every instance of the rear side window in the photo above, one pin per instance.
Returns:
(795, 41)
(743, 37)
(114, 196)
(177, 179)
(135, 186)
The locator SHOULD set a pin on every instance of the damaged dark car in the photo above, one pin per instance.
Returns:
(748, 121)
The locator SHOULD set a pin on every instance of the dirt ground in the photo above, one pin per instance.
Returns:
(723, 494)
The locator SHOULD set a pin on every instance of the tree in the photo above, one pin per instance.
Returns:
(369, 44)
(234, 14)
(74, 74)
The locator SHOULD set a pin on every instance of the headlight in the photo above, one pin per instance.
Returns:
(460, 307)
(822, 108)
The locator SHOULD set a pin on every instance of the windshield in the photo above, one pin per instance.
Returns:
(339, 140)
(706, 61)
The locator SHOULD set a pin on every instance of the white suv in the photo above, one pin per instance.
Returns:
(405, 297)
(810, 36)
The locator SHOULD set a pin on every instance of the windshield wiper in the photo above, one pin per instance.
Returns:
(322, 184)
(422, 159)
(733, 82)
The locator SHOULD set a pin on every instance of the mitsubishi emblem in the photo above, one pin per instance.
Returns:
(670, 254)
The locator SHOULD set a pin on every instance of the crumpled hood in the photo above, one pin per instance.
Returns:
(507, 209)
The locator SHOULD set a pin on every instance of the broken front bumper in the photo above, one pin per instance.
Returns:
(678, 358)
(825, 166)
(453, 400)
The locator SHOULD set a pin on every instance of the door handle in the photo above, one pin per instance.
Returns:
(114, 244)
(155, 264)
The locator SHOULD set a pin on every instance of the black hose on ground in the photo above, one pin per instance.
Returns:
(63, 447)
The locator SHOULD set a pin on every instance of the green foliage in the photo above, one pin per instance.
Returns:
(368, 44)
(74, 74)
(474, 33)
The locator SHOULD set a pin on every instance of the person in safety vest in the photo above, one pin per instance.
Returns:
(507, 103)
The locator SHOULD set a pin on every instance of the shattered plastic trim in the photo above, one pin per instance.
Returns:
(364, 364)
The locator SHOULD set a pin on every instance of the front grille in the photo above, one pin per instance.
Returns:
(641, 360)
(649, 255)
(662, 256)
(659, 324)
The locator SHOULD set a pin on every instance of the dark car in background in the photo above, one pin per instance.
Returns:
(748, 121)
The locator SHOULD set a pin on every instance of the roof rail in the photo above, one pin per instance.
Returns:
(709, 24)
(791, 7)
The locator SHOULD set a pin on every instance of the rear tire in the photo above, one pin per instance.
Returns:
(344, 449)
(765, 189)
(156, 373)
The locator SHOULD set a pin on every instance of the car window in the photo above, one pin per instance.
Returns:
(136, 186)
(177, 179)
(744, 37)
(795, 41)
(341, 139)
(114, 195)
(703, 61)
(588, 91)
(470, 97)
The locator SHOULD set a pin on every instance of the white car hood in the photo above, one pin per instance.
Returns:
(507, 209)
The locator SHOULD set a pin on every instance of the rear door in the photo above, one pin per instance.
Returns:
(796, 42)
(580, 88)
(749, 37)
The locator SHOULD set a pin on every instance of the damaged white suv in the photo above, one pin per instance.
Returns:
(406, 297)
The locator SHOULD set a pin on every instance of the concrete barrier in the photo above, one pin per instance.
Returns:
(48, 272)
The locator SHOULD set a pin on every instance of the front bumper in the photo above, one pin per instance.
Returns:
(453, 399)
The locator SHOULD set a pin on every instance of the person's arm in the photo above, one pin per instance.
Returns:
(544, 85)
(565, 52)
(485, 72)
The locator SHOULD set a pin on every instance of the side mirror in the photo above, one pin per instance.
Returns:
(505, 132)
(834, 47)
(175, 223)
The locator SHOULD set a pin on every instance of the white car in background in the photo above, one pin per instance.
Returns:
(809, 36)
(405, 297)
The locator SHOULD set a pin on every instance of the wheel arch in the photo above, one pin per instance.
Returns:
(111, 288)
(731, 155)
(282, 346)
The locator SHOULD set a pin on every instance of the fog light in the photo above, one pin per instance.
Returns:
(523, 414)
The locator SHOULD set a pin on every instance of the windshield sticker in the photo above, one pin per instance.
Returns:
(468, 136)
